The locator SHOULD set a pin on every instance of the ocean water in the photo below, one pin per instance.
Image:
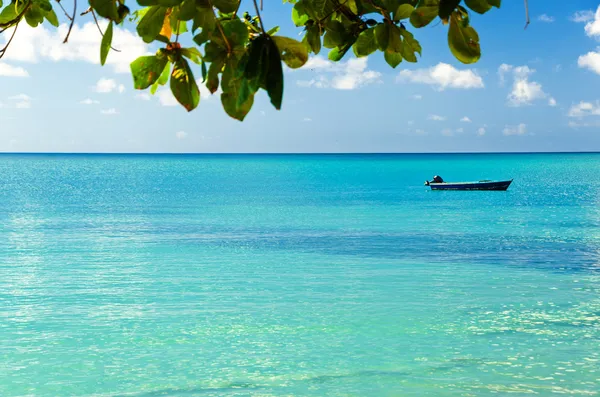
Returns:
(319, 275)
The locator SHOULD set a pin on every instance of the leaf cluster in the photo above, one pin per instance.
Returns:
(234, 53)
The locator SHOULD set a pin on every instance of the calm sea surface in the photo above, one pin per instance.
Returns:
(154, 276)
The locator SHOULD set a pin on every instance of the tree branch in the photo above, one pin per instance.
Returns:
(6, 25)
(3, 50)
(72, 21)
(221, 29)
(65, 11)
(262, 27)
(98, 25)
(526, 14)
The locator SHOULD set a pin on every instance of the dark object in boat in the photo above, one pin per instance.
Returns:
(479, 185)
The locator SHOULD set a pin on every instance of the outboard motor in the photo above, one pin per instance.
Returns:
(437, 179)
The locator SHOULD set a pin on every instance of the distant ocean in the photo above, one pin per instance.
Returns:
(298, 275)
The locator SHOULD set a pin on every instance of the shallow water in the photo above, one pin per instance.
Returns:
(298, 276)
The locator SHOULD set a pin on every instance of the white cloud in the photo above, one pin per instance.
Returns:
(143, 96)
(181, 135)
(546, 18)
(447, 132)
(121, 88)
(578, 124)
(524, 91)
(443, 76)
(20, 101)
(410, 122)
(481, 131)
(7, 70)
(89, 101)
(551, 102)
(348, 75)
(21, 97)
(582, 16)
(104, 86)
(420, 131)
(35, 44)
(436, 117)
(417, 97)
(460, 130)
(591, 61)
(592, 28)
(520, 129)
(23, 105)
(465, 119)
(584, 109)
(307, 119)
(110, 111)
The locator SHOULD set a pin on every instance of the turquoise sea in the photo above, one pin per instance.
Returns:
(298, 275)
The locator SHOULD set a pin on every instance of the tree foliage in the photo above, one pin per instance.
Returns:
(237, 54)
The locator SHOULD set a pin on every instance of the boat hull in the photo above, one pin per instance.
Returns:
(487, 185)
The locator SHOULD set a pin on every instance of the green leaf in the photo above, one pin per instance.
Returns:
(410, 41)
(169, 3)
(192, 54)
(463, 41)
(146, 70)
(299, 15)
(335, 34)
(447, 7)
(382, 36)
(392, 58)
(164, 76)
(212, 78)
(204, 71)
(395, 44)
(273, 31)
(205, 19)
(238, 94)
(9, 13)
(187, 10)
(183, 85)
(34, 16)
(495, 3)
(106, 42)
(226, 6)
(274, 81)
(236, 32)
(479, 6)
(313, 37)
(365, 44)
(105, 8)
(403, 11)
(151, 24)
(292, 52)
(52, 18)
(423, 16)
(44, 5)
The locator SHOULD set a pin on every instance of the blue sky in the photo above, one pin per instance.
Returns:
(533, 90)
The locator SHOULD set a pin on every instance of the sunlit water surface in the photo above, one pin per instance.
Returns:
(188, 276)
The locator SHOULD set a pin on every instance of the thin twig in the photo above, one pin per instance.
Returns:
(526, 14)
(221, 30)
(237, 9)
(261, 5)
(262, 27)
(98, 25)
(9, 24)
(72, 21)
(65, 11)
(3, 50)
(382, 11)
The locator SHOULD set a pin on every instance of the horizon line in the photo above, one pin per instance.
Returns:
(288, 153)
